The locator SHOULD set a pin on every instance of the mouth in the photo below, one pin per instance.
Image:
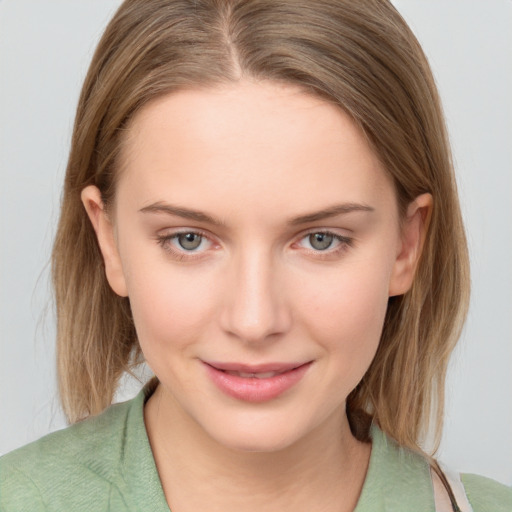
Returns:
(258, 371)
(248, 375)
(255, 383)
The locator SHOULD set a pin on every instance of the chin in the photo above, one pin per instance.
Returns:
(258, 433)
(258, 442)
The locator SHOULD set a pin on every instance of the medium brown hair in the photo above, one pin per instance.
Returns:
(359, 55)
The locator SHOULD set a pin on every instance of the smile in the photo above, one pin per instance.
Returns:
(255, 384)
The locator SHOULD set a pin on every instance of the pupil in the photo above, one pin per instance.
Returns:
(320, 241)
(189, 241)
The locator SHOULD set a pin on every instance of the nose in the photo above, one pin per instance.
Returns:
(255, 308)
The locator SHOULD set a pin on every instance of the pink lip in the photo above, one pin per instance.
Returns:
(254, 389)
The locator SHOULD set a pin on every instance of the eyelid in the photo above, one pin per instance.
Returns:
(165, 237)
(345, 242)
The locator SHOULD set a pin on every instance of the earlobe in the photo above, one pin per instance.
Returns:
(91, 199)
(413, 235)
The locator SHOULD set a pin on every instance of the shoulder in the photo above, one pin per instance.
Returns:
(486, 495)
(400, 479)
(79, 460)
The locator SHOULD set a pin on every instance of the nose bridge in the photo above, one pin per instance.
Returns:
(255, 308)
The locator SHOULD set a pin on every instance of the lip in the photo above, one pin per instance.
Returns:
(255, 389)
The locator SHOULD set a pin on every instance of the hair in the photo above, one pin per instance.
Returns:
(361, 56)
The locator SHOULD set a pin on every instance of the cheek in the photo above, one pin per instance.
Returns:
(170, 308)
(345, 312)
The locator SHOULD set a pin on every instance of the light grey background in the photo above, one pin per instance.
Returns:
(45, 48)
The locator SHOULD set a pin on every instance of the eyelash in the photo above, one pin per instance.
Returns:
(164, 241)
(344, 243)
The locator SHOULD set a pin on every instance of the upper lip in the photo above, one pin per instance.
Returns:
(255, 368)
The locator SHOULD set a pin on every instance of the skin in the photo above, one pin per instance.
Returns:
(256, 157)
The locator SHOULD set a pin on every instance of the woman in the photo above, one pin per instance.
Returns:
(260, 202)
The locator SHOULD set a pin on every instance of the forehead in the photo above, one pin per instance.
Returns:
(262, 141)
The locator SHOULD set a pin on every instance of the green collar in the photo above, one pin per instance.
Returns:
(398, 480)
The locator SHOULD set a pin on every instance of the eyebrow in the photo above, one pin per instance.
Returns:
(332, 211)
(180, 211)
(187, 213)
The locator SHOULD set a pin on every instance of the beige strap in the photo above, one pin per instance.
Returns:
(441, 498)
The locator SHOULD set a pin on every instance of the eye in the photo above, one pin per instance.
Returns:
(189, 241)
(324, 241)
(320, 241)
(185, 243)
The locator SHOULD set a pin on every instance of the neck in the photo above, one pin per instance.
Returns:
(324, 471)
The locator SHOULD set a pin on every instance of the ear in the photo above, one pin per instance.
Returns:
(414, 230)
(91, 199)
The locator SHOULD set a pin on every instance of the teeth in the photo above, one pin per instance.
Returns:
(245, 375)
(265, 375)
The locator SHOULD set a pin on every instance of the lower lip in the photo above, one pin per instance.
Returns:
(252, 389)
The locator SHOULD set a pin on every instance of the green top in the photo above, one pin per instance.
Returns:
(105, 463)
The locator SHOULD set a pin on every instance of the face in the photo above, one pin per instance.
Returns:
(258, 240)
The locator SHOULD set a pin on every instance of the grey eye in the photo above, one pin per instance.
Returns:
(321, 241)
(189, 241)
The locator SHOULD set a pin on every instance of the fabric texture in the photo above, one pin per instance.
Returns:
(105, 464)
